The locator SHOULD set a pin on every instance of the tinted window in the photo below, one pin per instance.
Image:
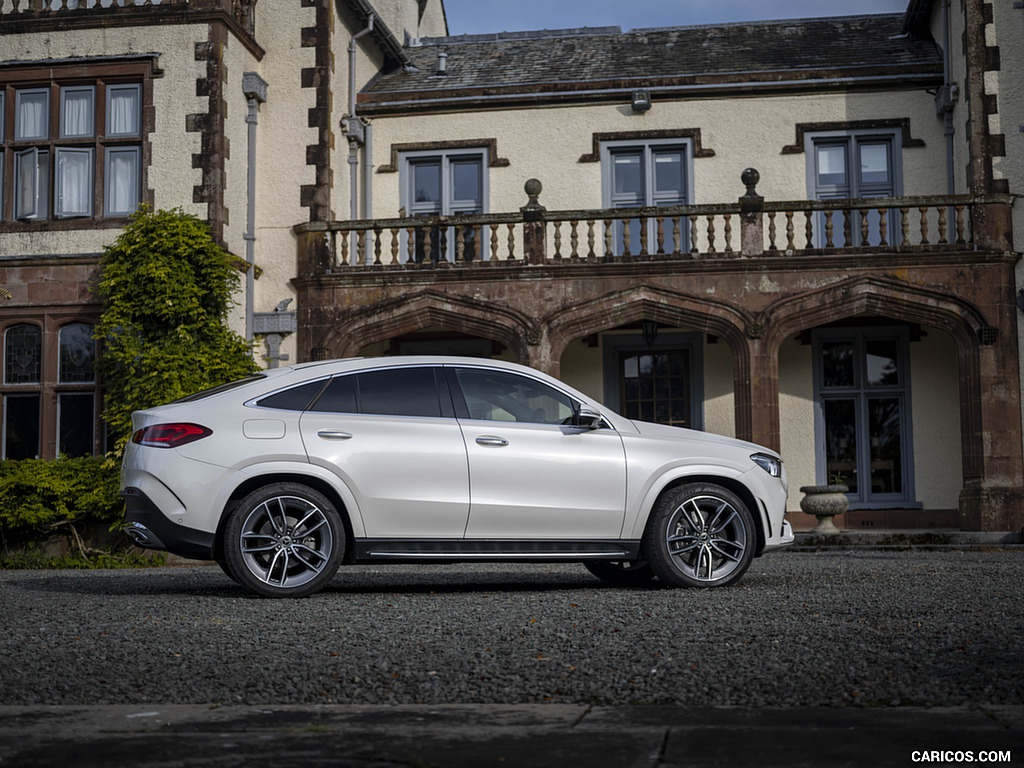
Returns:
(294, 399)
(339, 397)
(500, 396)
(399, 392)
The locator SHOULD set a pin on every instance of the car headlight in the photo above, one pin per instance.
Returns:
(769, 464)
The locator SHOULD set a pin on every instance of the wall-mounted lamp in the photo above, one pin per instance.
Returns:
(641, 100)
(650, 331)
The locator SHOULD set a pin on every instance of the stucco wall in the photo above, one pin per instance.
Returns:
(796, 416)
(547, 144)
(938, 468)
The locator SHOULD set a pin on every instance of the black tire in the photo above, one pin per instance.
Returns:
(227, 570)
(700, 535)
(622, 573)
(284, 540)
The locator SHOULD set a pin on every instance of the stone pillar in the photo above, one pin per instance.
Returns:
(534, 229)
(756, 387)
(751, 216)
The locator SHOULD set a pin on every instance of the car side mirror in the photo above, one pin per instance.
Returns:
(588, 418)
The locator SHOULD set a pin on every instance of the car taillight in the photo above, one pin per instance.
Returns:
(170, 435)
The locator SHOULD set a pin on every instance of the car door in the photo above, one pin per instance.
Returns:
(393, 439)
(533, 474)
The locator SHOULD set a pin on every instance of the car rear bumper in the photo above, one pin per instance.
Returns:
(149, 528)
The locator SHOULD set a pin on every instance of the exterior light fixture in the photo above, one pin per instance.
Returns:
(641, 100)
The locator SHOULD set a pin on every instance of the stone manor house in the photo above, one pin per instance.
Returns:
(800, 233)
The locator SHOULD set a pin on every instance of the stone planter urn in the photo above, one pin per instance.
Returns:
(824, 502)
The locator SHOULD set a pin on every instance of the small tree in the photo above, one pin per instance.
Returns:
(166, 288)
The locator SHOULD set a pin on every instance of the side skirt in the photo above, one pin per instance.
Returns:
(490, 551)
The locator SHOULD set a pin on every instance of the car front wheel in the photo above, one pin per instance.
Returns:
(700, 535)
(284, 540)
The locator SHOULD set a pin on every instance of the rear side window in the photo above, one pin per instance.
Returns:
(339, 397)
(399, 392)
(389, 392)
(294, 399)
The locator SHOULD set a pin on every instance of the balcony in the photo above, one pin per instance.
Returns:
(672, 237)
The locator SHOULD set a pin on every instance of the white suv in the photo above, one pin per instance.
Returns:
(285, 475)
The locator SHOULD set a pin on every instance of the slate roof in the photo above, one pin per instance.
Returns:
(570, 59)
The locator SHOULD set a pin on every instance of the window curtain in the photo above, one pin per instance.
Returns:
(123, 119)
(74, 182)
(122, 180)
(76, 113)
(31, 120)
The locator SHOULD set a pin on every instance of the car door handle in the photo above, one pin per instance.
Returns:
(491, 440)
(333, 434)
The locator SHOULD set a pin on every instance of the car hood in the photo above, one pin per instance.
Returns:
(648, 429)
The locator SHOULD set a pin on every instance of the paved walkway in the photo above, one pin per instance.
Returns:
(533, 736)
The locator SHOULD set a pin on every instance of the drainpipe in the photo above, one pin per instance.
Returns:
(951, 95)
(255, 89)
(368, 173)
(352, 125)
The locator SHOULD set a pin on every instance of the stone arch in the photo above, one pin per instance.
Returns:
(394, 317)
(888, 297)
(733, 324)
(647, 303)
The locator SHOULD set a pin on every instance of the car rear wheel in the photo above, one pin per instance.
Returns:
(623, 573)
(700, 535)
(284, 540)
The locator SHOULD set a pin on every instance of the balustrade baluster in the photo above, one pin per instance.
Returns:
(864, 228)
(360, 258)
(626, 237)
(608, 237)
(677, 235)
(924, 226)
(808, 230)
(376, 246)
(410, 245)
(643, 235)
(829, 229)
(883, 226)
(711, 233)
(694, 234)
(477, 244)
(790, 247)
(574, 239)
(494, 246)
(905, 225)
(960, 225)
(460, 244)
(427, 232)
(728, 232)
(943, 240)
(771, 231)
(344, 246)
(659, 234)
(511, 242)
(591, 238)
(847, 228)
(394, 245)
(558, 240)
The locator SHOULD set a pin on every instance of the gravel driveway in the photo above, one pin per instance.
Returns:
(858, 627)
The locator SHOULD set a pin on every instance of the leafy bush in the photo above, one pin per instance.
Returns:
(166, 289)
(37, 496)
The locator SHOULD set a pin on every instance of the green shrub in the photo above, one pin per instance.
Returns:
(37, 496)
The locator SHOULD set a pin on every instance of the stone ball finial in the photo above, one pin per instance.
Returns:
(533, 187)
(750, 177)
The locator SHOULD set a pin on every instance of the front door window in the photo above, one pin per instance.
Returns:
(655, 386)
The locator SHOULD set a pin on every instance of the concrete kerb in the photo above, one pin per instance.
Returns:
(469, 736)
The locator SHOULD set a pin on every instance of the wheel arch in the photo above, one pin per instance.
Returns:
(261, 481)
(733, 484)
